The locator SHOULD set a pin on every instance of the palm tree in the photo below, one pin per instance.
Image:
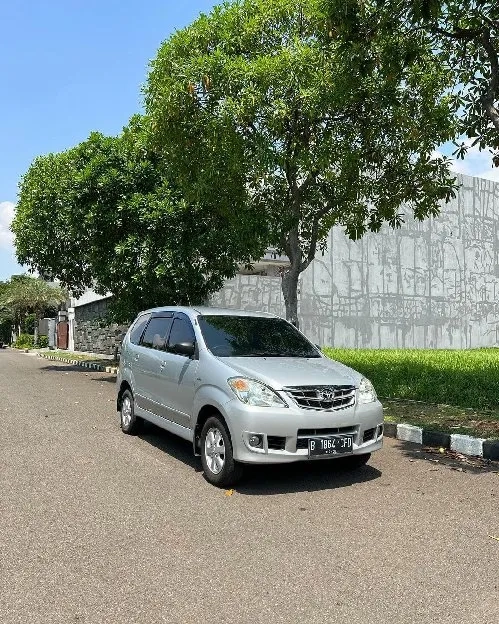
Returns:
(24, 295)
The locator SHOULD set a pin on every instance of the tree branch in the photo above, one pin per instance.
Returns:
(460, 33)
(488, 100)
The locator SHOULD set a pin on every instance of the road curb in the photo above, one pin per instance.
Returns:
(466, 445)
(82, 363)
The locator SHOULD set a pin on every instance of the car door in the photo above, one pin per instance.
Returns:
(148, 364)
(179, 372)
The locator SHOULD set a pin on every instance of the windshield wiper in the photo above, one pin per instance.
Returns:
(266, 354)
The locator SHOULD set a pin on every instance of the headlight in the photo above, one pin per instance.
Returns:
(367, 394)
(254, 392)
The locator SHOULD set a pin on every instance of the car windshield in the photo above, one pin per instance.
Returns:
(254, 336)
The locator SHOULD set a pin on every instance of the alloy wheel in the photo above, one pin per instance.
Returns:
(214, 450)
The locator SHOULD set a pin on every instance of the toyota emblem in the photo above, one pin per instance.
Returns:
(326, 395)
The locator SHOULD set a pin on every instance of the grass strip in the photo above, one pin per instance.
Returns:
(454, 391)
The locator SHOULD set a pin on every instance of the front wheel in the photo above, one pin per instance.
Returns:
(217, 458)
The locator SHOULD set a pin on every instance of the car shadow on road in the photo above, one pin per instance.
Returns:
(170, 444)
(302, 477)
(272, 479)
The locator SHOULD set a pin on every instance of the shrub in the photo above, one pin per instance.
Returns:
(24, 341)
(43, 342)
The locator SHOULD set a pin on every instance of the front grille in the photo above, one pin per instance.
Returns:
(328, 398)
(276, 443)
(369, 434)
(305, 434)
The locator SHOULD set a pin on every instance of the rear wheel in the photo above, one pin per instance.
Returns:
(217, 458)
(130, 423)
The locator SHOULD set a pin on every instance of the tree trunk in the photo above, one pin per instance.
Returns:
(289, 285)
(35, 339)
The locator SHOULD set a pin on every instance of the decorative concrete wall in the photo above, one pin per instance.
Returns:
(429, 284)
(91, 329)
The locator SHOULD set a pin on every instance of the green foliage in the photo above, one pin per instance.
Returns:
(104, 214)
(6, 316)
(464, 37)
(24, 341)
(43, 342)
(30, 321)
(456, 377)
(26, 299)
(264, 102)
(5, 331)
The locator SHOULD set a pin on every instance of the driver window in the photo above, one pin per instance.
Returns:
(182, 331)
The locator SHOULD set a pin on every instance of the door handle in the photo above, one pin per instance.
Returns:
(136, 358)
(163, 364)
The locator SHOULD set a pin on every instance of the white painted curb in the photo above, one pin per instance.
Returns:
(82, 363)
(466, 445)
(410, 433)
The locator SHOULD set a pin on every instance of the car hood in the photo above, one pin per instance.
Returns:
(280, 372)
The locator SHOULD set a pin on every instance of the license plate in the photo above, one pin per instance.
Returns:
(332, 445)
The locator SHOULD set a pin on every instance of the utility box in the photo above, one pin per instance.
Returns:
(52, 333)
(43, 327)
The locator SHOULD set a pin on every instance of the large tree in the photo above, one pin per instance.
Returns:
(263, 103)
(104, 214)
(464, 36)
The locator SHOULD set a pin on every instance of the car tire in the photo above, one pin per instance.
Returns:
(129, 422)
(217, 457)
(354, 462)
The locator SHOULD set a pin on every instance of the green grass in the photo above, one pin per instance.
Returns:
(459, 389)
(466, 378)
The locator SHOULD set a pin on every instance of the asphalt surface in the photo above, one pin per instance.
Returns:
(100, 527)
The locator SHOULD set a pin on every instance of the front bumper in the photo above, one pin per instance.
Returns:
(285, 431)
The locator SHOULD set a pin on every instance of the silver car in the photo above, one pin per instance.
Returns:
(244, 388)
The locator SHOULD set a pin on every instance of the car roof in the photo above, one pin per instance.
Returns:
(194, 311)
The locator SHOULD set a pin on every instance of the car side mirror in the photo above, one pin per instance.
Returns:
(184, 348)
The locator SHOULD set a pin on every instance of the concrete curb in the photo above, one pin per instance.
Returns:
(466, 445)
(82, 363)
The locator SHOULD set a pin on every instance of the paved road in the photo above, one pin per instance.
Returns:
(99, 527)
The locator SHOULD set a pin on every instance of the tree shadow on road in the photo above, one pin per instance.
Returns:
(271, 479)
(448, 459)
(73, 368)
(108, 378)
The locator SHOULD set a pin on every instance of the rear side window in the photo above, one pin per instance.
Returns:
(181, 332)
(156, 333)
(138, 328)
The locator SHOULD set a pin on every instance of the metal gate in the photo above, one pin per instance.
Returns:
(62, 335)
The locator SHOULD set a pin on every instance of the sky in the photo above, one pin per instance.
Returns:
(73, 66)
(69, 67)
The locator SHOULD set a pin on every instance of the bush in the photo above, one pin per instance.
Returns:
(43, 342)
(24, 341)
